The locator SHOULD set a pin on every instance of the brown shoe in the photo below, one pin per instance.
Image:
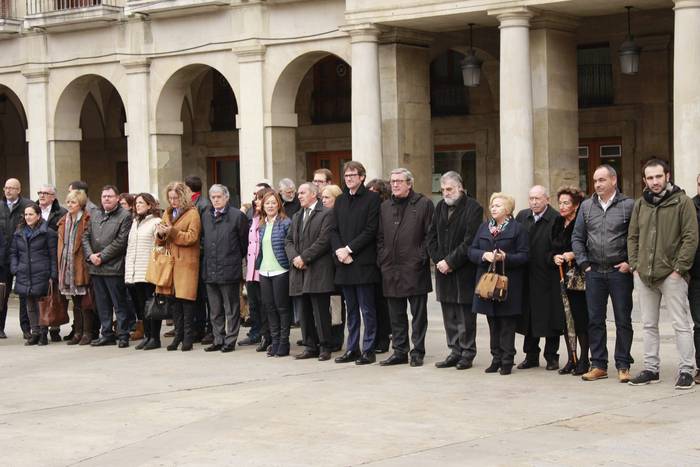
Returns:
(623, 375)
(85, 340)
(137, 333)
(594, 374)
(74, 340)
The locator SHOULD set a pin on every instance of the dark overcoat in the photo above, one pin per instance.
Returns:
(33, 260)
(56, 214)
(356, 224)
(543, 311)
(313, 243)
(225, 240)
(514, 242)
(402, 246)
(449, 240)
(9, 220)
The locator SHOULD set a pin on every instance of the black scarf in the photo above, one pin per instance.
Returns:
(656, 199)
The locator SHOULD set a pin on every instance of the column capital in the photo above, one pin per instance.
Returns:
(556, 21)
(364, 32)
(248, 53)
(513, 17)
(36, 75)
(136, 65)
(683, 4)
(406, 37)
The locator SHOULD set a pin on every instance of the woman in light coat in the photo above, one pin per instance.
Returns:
(138, 254)
(179, 233)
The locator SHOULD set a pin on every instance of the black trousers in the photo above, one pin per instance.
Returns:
(315, 321)
(260, 326)
(140, 292)
(183, 315)
(531, 347)
(275, 300)
(383, 336)
(502, 333)
(460, 329)
(110, 295)
(399, 323)
(694, 297)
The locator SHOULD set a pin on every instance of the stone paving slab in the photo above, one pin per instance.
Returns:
(65, 405)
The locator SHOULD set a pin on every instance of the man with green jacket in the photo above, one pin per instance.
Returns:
(661, 244)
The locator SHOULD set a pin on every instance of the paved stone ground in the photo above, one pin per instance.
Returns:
(64, 405)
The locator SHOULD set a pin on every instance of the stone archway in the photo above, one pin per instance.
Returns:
(14, 154)
(196, 131)
(307, 121)
(89, 141)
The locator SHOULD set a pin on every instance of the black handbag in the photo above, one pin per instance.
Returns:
(159, 307)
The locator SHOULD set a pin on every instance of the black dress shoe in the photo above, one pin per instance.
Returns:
(43, 339)
(102, 341)
(142, 344)
(366, 359)
(186, 346)
(552, 365)
(70, 335)
(506, 369)
(26, 335)
(568, 368)
(582, 368)
(33, 340)
(449, 362)
(55, 336)
(347, 357)
(263, 345)
(248, 341)
(323, 356)
(213, 348)
(394, 359)
(208, 339)
(493, 368)
(305, 355)
(152, 344)
(463, 364)
(416, 360)
(123, 343)
(228, 348)
(525, 364)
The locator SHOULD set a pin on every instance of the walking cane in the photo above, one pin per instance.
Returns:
(570, 329)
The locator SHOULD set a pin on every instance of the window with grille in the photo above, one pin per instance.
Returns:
(595, 78)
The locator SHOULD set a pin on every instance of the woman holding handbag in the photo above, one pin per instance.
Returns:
(138, 254)
(503, 241)
(179, 233)
(570, 199)
(73, 278)
(33, 263)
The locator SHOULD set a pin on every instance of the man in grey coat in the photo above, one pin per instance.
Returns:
(104, 244)
(308, 247)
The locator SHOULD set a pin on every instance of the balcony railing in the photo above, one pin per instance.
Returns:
(35, 7)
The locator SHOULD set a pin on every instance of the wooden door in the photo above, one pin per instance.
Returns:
(331, 160)
(593, 152)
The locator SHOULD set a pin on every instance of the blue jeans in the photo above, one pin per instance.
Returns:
(110, 295)
(359, 299)
(618, 286)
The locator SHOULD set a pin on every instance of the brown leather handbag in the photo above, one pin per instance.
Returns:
(160, 267)
(493, 286)
(53, 308)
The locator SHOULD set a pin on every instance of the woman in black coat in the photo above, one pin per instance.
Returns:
(504, 240)
(570, 199)
(33, 263)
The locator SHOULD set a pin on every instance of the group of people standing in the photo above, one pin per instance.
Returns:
(326, 258)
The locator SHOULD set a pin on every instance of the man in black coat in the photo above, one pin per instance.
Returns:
(225, 239)
(311, 274)
(354, 245)
(402, 242)
(51, 213)
(543, 313)
(457, 218)
(11, 214)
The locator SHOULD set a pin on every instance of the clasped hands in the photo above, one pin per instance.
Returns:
(496, 255)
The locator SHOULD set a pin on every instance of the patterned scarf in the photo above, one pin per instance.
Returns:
(497, 229)
(66, 280)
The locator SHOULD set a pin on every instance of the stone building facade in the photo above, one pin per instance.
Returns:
(141, 92)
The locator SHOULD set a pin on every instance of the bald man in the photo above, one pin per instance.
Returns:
(543, 312)
(11, 214)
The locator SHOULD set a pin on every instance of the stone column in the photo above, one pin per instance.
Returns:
(166, 145)
(407, 135)
(516, 129)
(281, 146)
(366, 99)
(555, 100)
(41, 163)
(251, 116)
(686, 97)
(141, 176)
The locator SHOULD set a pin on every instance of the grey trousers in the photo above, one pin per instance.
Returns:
(460, 329)
(224, 312)
(33, 315)
(674, 292)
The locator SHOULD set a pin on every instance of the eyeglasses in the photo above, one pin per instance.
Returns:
(351, 175)
(398, 182)
(45, 193)
(319, 181)
(11, 188)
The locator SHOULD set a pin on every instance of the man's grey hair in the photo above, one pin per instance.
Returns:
(286, 183)
(541, 188)
(51, 187)
(611, 170)
(311, 187)
(452, 176)
(405, 172)
(219, 188)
